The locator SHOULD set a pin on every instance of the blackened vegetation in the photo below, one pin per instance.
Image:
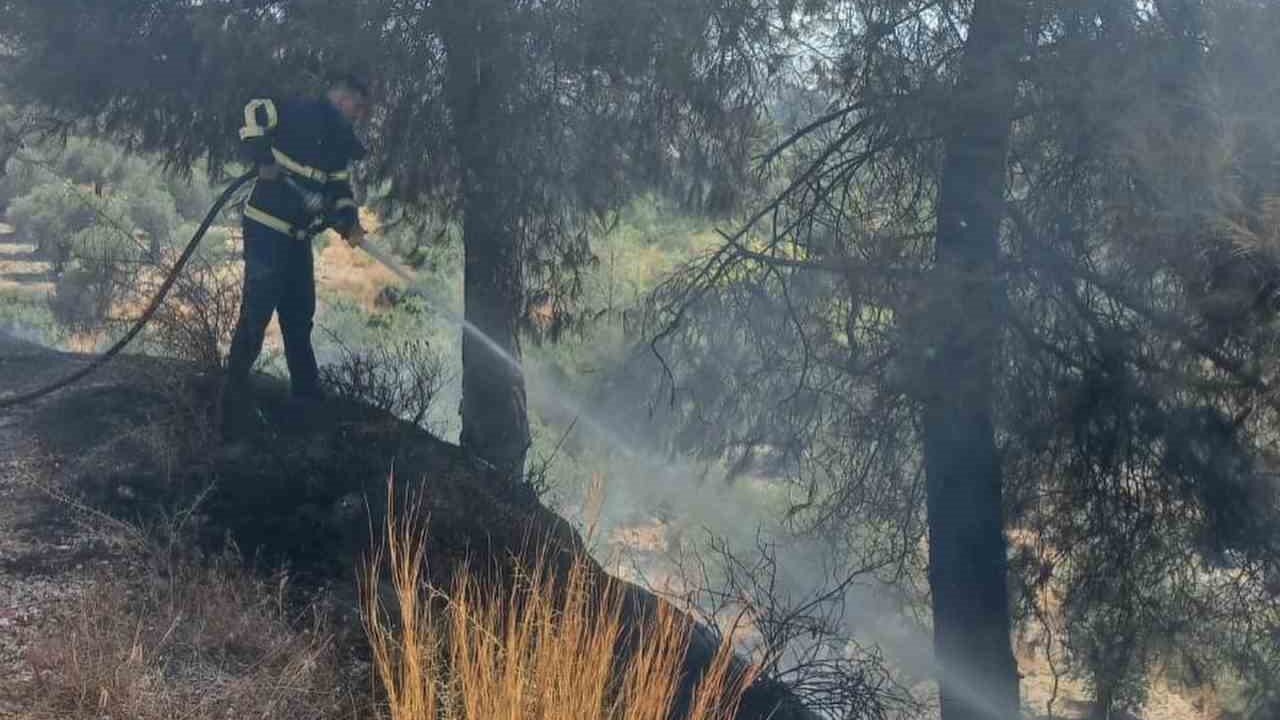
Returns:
(308, 493)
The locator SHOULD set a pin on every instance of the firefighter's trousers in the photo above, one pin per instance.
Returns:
(279, 277)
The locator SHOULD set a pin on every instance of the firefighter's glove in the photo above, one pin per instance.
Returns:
(355, 236)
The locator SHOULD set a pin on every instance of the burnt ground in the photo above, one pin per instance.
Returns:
(49, 552)
(129, 457)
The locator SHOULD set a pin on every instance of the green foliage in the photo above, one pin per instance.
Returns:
(91, 163)
(192, 196)
(150, 208)
(99, 216)
(49, 216)
(31, 321)
(18, 179)
(427, 242)
(107, 221)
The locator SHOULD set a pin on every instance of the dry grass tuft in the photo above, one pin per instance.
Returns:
(208, 643)
(544, 648)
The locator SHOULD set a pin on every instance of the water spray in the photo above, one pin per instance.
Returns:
(560, 396)
(315, 202)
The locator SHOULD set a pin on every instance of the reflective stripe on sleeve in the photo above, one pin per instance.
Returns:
(252, 128)
(297, 168)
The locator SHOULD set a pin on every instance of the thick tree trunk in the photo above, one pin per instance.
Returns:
(968, 564)
(495, 424)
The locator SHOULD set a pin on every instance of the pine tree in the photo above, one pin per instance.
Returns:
(1090, 374)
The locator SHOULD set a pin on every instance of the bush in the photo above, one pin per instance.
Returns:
(192, 196)
(401, 378)
(92, 163)
(79, 301)
(409, 335)
(196, 322)
(151, 210)
(31, 321)
(17, 179)
(48, 216)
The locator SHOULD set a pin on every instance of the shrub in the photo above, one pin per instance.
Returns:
(153, 212)
(48, 216)
(197, 321)
(88, 162)
(192, 196)
(31, 321)
(18, 178)
(401, 378)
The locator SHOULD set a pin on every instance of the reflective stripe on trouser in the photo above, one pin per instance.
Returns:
(279, 278)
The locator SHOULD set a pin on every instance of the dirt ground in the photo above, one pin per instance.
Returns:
(49, 554)
(22, 273)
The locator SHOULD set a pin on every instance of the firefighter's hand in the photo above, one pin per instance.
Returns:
(355, 236)
(269, 172)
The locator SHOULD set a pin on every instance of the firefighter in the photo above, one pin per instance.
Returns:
(303, 151)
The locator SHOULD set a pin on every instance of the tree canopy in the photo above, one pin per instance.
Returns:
(1134, 296)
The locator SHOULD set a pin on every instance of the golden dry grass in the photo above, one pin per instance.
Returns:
(203, 643)
(544, 648)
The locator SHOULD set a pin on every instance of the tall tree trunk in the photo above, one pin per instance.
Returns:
(495, 424)
(967, 549)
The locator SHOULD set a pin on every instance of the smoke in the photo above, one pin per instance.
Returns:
(644, 483)
(13, 332)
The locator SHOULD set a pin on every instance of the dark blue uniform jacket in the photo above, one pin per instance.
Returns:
(314, 147)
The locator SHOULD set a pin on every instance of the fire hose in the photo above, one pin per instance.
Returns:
(313, 203)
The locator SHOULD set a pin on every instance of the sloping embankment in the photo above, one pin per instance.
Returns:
(306, 491)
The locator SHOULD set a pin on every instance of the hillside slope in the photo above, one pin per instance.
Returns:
(135, 442)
